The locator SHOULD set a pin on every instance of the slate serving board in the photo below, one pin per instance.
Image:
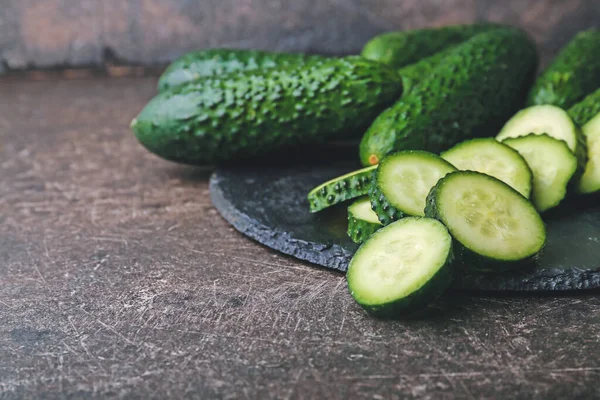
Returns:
(267, 202)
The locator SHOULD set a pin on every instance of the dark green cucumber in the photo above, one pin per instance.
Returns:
(216, 62)
(414, 73)
(217, 120)
(488, 218)
(553, 165)
(488, 156)
(471, 93)
(362, 221)
(398, 49)
(401, 268)
(590, 180)
(574, 73)
(353, 184)
(586, 109)
(402, 181)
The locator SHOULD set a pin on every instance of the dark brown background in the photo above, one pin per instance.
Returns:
(47, 33)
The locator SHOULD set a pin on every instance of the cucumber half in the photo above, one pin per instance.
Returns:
(402, 267)
(553, 166)
(590, 180)
(486, 216)
(493, 158)
(342, 188)
(402, 182)
(362, 221)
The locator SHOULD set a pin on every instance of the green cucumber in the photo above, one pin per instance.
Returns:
(362, 221)
(586, 109)
(548, 119)
(225, 119)
(402, 182)
(216, 62)
(491, 157)
(472, 92)
(398, 49)
(574, 73)
(487, 217)
(590, 180)
(553, 165)
(414, 73)
(402, 267)
(349, 186)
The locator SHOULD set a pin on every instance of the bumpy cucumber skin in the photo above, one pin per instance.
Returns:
(216, 62)
(586, 109)
(217, 120)
(360, 230)
(416, 301)
(340, 189)
(574, 73)
(414, 73)
(398, 49)
(471, 93)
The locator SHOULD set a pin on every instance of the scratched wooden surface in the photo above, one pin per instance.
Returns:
(47, 33)
(119, 279)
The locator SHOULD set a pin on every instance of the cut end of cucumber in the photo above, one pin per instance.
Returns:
(361, 209)
(487, 216)
(351, 185)
(362, 221)
(394, 269)
(590, 180)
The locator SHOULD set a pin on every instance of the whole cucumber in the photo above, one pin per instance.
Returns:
(238, 116)
(586, 109)
(213, 62)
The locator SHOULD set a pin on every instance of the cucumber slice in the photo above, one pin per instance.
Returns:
(553, 166)
(362, 221)
(551, 120)
(402, 267)
(342, 188)
(590, 180)
(486, 216)
(493, 158)
(402, 182)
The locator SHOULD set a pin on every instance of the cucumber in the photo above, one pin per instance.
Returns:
(345, 187)
(491, 157)
(487, 217)
(553, 166)
(586, 109)
(398, 49)
(472, 92)
(402, 182)
(402, 267)
(243, 115)
(548, 119)
(362, 221)
(414, 73)
(574, 73)
(216, 62)
(590, 180)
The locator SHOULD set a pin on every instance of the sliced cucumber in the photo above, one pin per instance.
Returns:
(342, 188)
(402, 182)
(402, 267)
(551, 120)
(491, 157)
(590, 180)
(488, 217)
(553, 166)
(362, 221)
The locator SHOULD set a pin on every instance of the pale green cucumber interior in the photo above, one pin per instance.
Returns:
(406, 179)
(489, 217)
(590, 181)
(551, 120)
(493, 158)
(341, 178)
(553, 166)
(398, 260)
(361, 209)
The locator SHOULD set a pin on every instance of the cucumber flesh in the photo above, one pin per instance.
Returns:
(402, 267)
(590, 180)
(493, 158)
(353, 184)
(362, 221)
(486, 216)
(403, 181)
(553, 166)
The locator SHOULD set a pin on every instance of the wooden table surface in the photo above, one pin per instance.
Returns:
(119, 279)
